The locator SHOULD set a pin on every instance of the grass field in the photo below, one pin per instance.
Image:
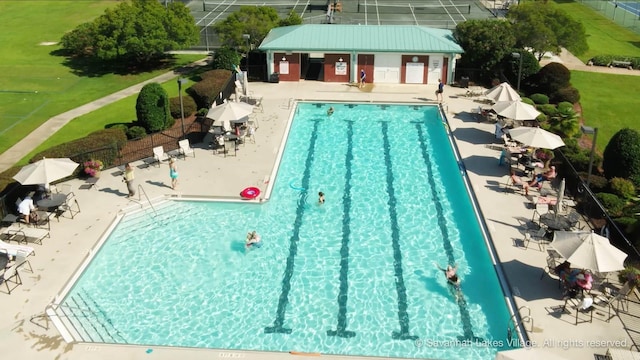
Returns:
(38, 84)
(603, 35)
(608, 102)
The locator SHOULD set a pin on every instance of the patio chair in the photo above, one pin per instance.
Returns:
(185, 148)
(70, 206)
(611, 294)
(11, 276)
(574, 220)
(540, 210)
(552, 264)
(159, 155)
(12, 250)
(515, 182)
(26, 234)
(537, 236)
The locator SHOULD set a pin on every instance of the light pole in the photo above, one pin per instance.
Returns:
(594, 131)
(247, 37)
(517, 55)
(180, 82)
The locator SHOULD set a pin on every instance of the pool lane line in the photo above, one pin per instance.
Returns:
(283, 302)
(343, 295)
(465, 317)
(403, 316)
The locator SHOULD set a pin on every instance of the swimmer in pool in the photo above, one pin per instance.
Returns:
(253, 240)
(320, 197)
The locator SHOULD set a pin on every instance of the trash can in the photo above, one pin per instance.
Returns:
(274, 78)
(464, 81)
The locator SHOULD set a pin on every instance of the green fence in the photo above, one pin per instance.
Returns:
(625, 13)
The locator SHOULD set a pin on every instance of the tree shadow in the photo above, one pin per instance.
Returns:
(93, 67)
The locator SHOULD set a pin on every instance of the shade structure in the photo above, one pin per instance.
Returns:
(527, 354)
(536, 137)
(45, 171)
(588, 250)
(223, 114)
(516, 110)
(502, 92)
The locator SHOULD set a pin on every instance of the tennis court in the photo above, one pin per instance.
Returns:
(632, 7)
(433, 13)
(624, 13)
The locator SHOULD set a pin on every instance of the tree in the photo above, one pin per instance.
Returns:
(511, 66)
(621, 157)
(292, 19)
(225, 58)
(543, 27)
(152, 108)
(138, 31)
(256, 21)
(485, 42)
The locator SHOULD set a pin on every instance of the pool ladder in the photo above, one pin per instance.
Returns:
(514, 323)
(140, 193)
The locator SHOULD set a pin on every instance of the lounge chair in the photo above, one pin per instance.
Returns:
(26, 234)
(515, 181)
(159, 155)
(185, 148)
(12, 250)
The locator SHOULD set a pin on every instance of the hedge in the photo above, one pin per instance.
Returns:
(188, 104)
(205, 91)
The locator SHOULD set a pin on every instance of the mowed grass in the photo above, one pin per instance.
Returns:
(36, 82)
(604, 36)
(608, 102)
(119, 112)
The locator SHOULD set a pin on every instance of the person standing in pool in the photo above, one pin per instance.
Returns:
(321, 198)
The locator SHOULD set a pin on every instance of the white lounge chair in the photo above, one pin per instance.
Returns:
(159, 155)
(185, 148)
(13, 250)
(26, 234)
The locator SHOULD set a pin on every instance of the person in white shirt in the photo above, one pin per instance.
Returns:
(25, 207)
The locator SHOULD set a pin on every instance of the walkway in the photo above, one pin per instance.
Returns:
(18, 151)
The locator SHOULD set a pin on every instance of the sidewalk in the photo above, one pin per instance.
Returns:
(14, 154)
(573, 63)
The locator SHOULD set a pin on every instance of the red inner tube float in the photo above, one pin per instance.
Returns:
(250, 193)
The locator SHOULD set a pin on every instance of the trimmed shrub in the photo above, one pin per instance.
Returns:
(188, 104)
(527, 101)
(152, 108)
(601, 60)
(621, 157)
(204, 92)
(548, 109)
(136, 132)
(540, 99)
(612, 203)
(597, 183)
(569, 94)
(623, 188)
(627, 224)
(552, 77)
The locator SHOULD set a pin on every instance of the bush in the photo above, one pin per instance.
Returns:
(225, 58)
(548, 109)
(152, 108)
(136, 132)
(597, 183)
(602, 60)
(527, 101)
(552, 77)
(623, 188)
(612, 203)
(621, 157)
(540, 99)
(188, 104)
(569, 94)
(122, 127)
(629, 273)
(627, 224)
(204, 92)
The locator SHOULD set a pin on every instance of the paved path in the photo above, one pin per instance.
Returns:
(42, 133)
(573, 63)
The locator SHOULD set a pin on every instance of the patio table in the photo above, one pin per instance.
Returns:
(555, 221)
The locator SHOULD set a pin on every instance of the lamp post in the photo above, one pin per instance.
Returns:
(517, 55)
(594, 131)
(180, 82)
(247, 37)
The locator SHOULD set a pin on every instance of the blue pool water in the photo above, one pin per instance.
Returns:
(354, 276)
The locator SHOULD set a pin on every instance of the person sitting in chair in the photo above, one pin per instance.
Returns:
(540, 178)
(25, 208)
(516, 180)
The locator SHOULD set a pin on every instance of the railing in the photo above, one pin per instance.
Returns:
(514, 324)
(140, 193)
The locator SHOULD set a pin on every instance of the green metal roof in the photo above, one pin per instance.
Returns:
(361, 38)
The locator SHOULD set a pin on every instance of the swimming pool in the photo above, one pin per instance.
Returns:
(355, 275)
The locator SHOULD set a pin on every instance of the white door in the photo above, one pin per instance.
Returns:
(414, 73)
(435, 69)
(387, 68)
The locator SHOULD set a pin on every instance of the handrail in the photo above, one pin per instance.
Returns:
(513, 320)
(140, 192)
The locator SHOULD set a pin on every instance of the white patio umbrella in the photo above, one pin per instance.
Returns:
(588, 250)
(45, 171)
(223, 114)
(502, 92)
(516, 110)
(536, 137)
(531, 353)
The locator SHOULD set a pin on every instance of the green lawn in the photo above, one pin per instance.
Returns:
(608, 102)
(603, 35)
(36, 82)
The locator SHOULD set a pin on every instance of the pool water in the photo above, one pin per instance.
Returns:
(356, 275)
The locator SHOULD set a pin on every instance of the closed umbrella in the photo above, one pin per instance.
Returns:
(45, 171)
(229, 111)
(588, 250)
(560, 196)
(536, 137)
(516, 110)
(502, 92)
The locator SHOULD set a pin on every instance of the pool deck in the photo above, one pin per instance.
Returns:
(213, 175)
